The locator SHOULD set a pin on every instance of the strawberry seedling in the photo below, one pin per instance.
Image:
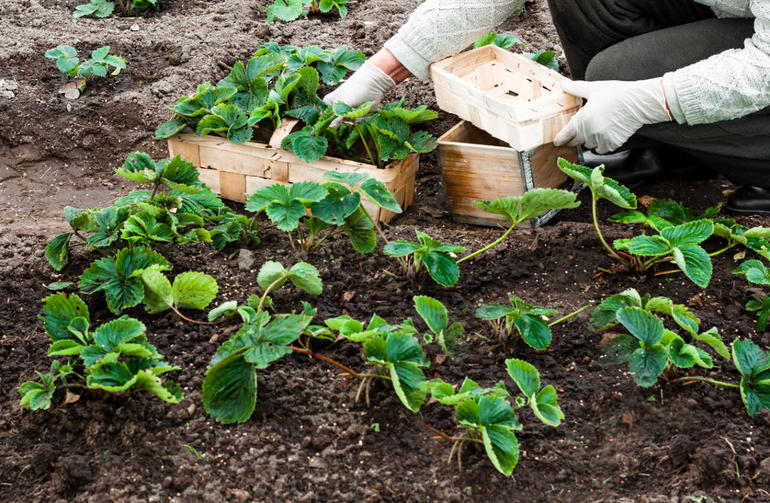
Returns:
(325, 210)
(437, 256)
(434, 313)
(289, 10)
(98, 65)
(104, 8)
(528, 321)
(175, 210)
(679, 244)
(115, 357)
(649, 347)
(277, 82)
(757, 273)
(488, 418)
(502, 40)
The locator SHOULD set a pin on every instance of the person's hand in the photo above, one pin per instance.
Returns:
(615, 110)
(368, 83)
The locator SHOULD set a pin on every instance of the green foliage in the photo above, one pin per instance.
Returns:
(120, 276)
(487, 416)
(289, 10)
(545, 58)
(190, 290)
(115, 357)
(679, 234)
(503, 40)
(178, 209)
(648, 346)
(533, 204)
(754, 366)
(434, 313)
(382, 135)
(436, 257)
(756, 272)
(277, 82)
(526, 319)
(230, 385)
(272, 275)
(96, 8)
(325, 209)
(97, 66)
(104, 8)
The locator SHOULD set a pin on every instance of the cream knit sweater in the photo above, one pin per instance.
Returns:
(725, 86)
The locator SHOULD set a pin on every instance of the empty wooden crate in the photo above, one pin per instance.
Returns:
(235, 170)
(511, 97)
(477, 166)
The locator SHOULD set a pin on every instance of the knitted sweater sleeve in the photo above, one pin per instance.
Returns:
(730, 84)
(440, 28)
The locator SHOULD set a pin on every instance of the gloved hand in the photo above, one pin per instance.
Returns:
(368, 83)
(615, 110)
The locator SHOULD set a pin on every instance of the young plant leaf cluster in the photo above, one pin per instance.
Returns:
(325, 209)
(757, 273)
(649, 347)
(277, 82)
(487, 417)
(289, 10)
(114, 357)
(98, 65)
(437, 257)
(105, 8)
(528, 321)
(507, 41)
(361, 134)
(230, 384)
(178, 209)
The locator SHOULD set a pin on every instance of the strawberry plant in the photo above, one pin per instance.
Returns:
(679, 244)
(115, 357)
(502, 40)
(545, 58)
(98, 65)
(437, 256)
(649, 347)
(384, 135)
(434, 313)
(487, 417)
(277, 82)
(177, 209)
(528, 321)
(104, 8)
(325, 210)
(96, 8)
(289, 10)
(753, 365)
(757, 273)
(230, 384)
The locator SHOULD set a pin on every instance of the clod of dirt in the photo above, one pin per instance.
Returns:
(43, 456)
(75, 471)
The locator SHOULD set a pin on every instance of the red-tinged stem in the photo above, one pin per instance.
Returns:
(328, 360)
(436, 431)
(190, 320)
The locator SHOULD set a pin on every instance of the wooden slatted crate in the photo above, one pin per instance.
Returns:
(513, 98)
(235, 170)
(477, 166)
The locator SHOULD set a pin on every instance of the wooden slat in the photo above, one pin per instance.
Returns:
(235, 170)
(476, 167)
(233, 186)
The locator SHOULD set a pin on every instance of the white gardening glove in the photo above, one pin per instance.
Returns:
(614, 111)
(368, 83)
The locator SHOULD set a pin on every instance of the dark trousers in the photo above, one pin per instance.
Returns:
(642, 39)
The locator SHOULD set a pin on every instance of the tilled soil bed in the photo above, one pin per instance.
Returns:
(308, 439)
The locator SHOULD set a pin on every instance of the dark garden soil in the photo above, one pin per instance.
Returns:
(308, 440)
